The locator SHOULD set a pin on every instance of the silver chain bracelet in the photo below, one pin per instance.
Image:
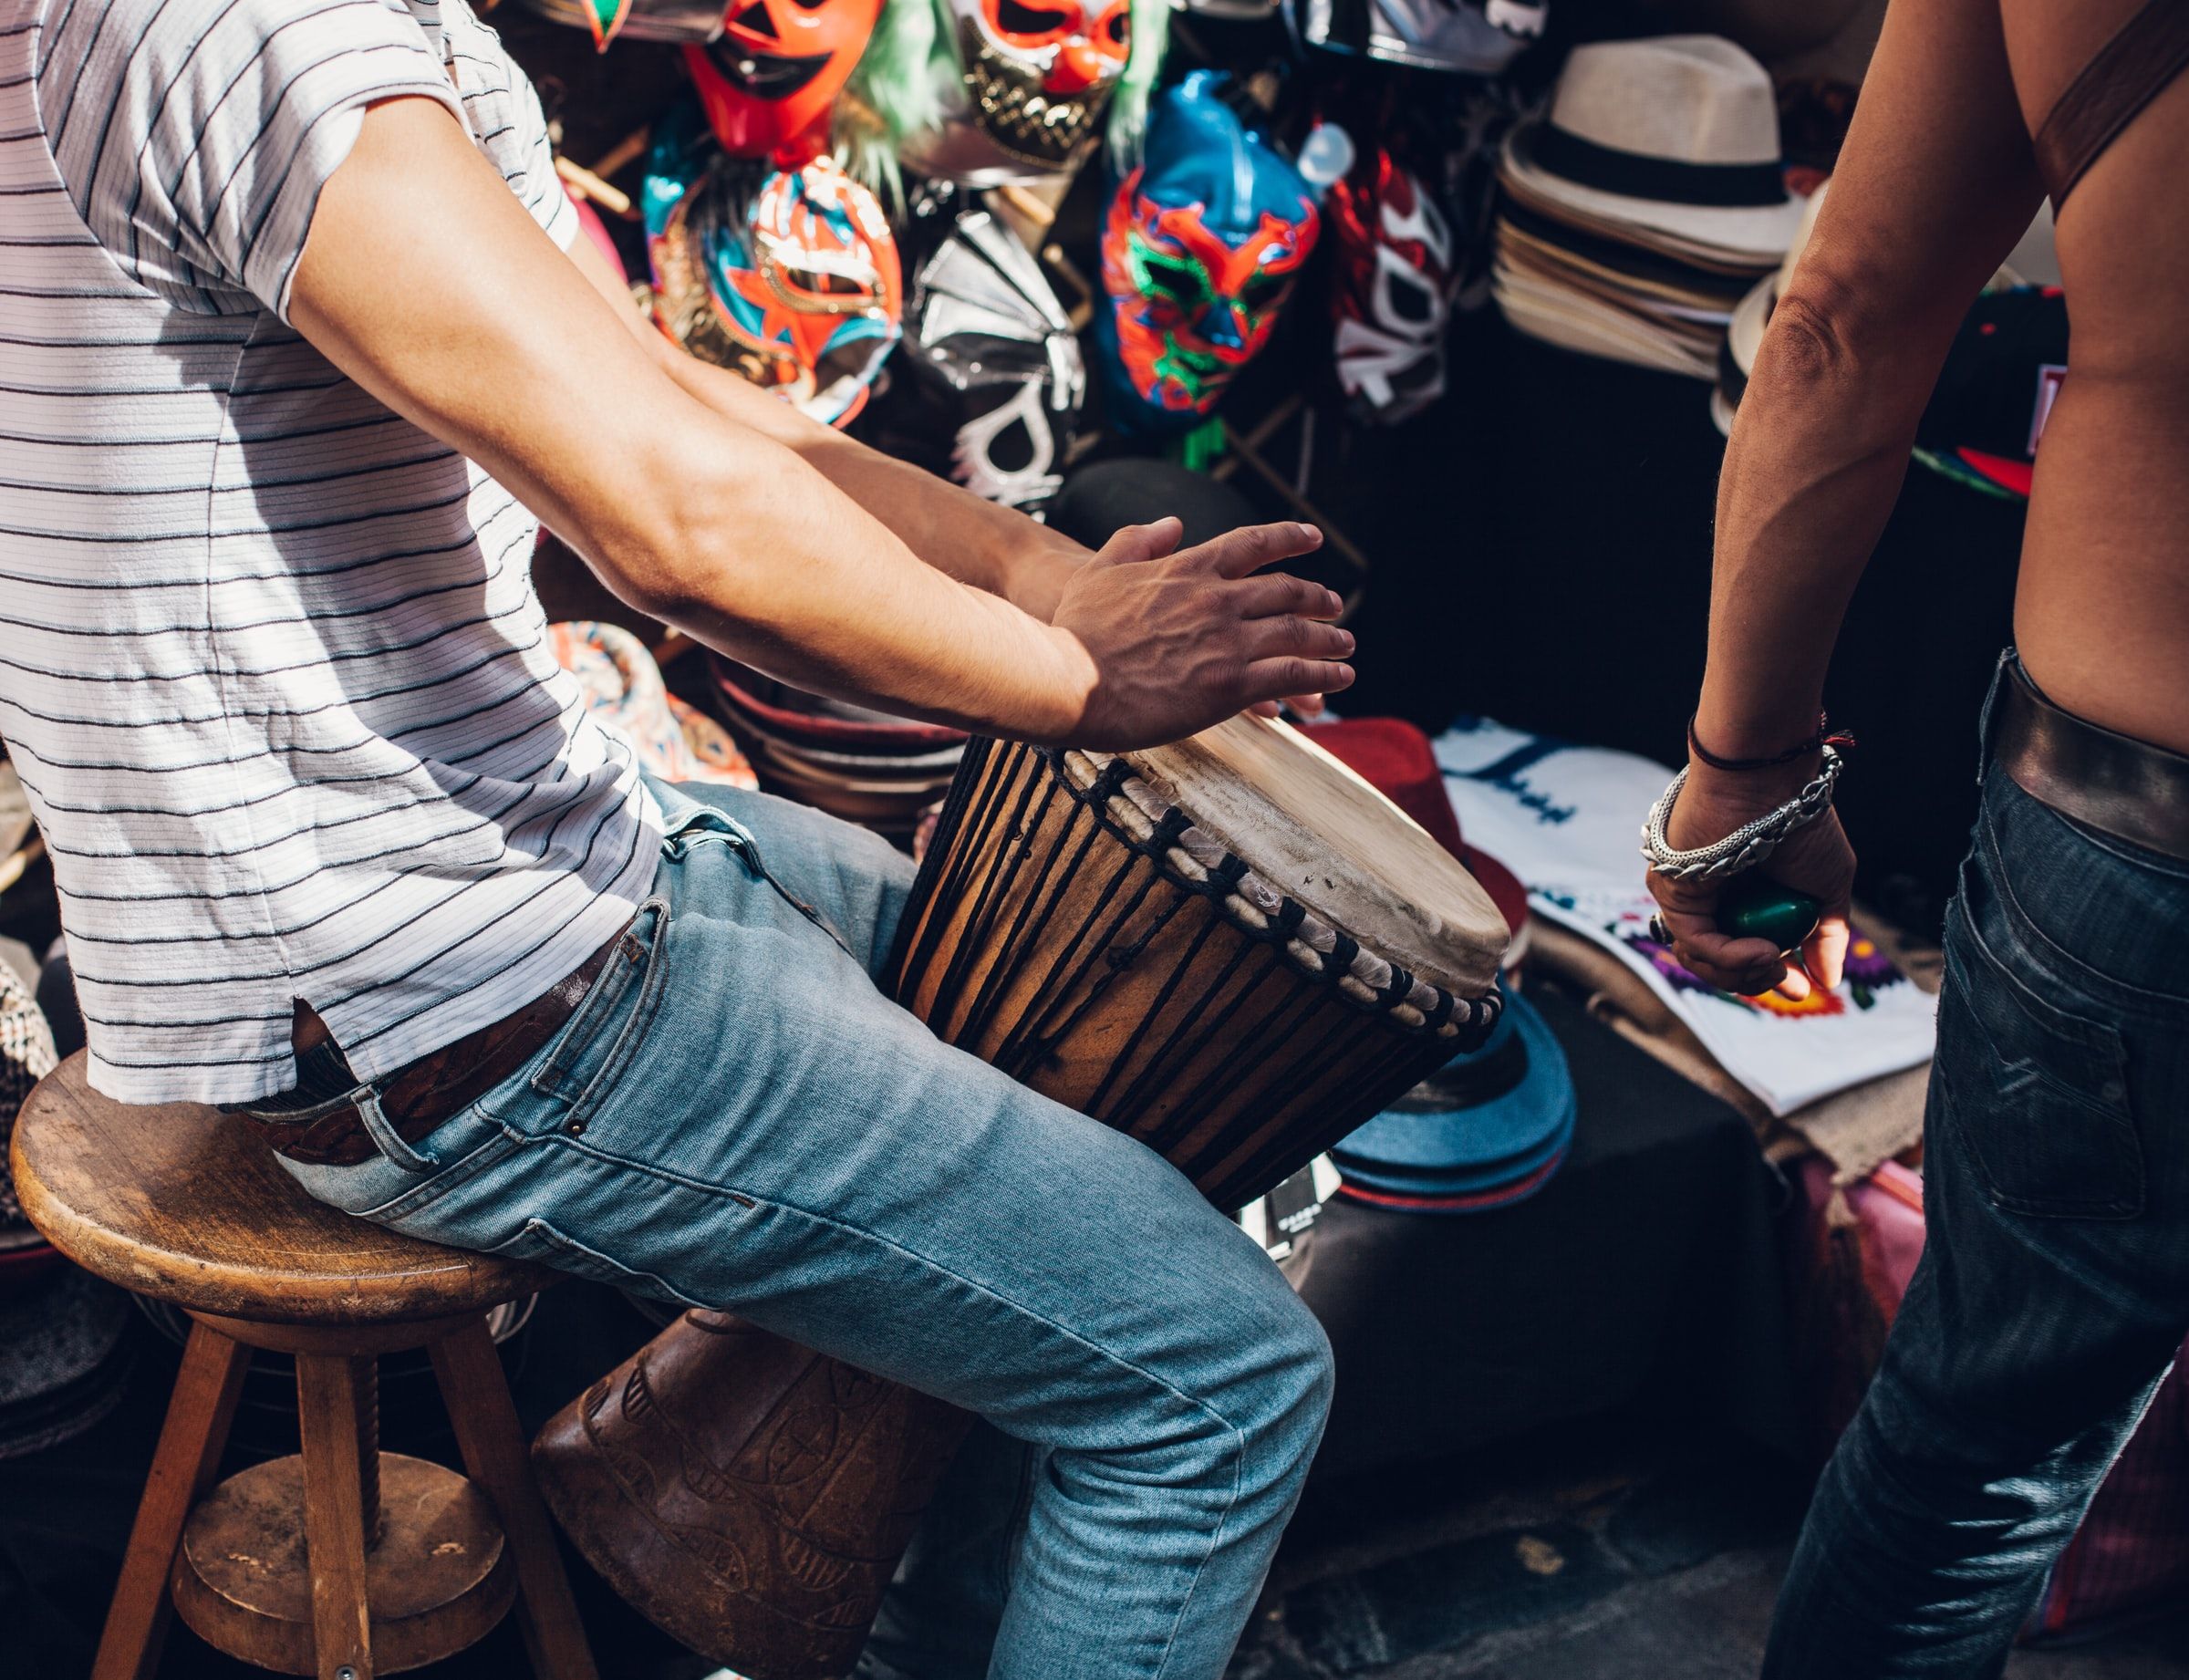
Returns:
(1746, 846)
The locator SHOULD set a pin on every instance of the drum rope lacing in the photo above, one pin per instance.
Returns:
(983, 957)
(1202, 862)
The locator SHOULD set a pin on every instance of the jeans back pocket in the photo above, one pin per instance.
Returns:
(2037, 1095)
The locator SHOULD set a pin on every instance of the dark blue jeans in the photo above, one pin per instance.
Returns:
(2054, 1285)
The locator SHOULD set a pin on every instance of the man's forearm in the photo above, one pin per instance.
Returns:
(760, 559)
(992, 548)
(1810, 476)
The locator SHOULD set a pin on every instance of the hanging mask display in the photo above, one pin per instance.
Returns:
(786, 276)
(1391, 293)
(640, 20)
(1472, 37)
(1199, 250)
(983, 92)
(768, 82)
(988, 338)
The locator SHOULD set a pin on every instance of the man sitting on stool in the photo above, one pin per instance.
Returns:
(297, 348)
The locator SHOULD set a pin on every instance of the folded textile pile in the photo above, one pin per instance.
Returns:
(1641, 210)
(1566, 817)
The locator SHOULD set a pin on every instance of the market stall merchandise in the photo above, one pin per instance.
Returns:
(788, 277)
(1200, 249)
(1643, 203)
(863, 765)
(994, 354)
(989, 92)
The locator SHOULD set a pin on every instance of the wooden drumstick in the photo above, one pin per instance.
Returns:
(589, 186)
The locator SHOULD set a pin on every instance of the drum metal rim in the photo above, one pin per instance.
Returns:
(1144, 819)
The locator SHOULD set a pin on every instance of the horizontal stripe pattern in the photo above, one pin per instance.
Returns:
(271, 670)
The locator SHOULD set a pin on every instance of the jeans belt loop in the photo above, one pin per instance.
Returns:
(385, 1137)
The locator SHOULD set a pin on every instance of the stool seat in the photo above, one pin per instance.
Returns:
(341, 1561)
(181, 1201)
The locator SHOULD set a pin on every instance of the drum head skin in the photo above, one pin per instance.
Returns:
(1315, 830)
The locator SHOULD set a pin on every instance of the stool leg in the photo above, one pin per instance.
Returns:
(329, 1409)
(485, 1420)
(191, 1440)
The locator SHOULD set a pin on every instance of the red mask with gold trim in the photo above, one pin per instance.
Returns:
(1039, 73)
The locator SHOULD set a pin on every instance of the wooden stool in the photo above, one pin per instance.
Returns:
(393, 1562)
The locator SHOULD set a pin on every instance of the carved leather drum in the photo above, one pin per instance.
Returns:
(1232, 948)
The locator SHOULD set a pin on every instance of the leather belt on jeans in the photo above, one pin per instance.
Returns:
(439, 1084)
(2111, 782)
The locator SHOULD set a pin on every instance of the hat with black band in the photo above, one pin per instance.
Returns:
(1635, 174)
(1671, 142)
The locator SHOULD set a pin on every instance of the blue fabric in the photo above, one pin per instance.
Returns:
(736, 1117)
(2054, 1285)
(1479, 1147)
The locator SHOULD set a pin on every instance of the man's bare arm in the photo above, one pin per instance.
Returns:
(1935, 184)
(994, 548)
(457, 311)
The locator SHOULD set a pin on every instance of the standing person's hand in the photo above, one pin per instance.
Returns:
(1815, 859)
(1171, 643)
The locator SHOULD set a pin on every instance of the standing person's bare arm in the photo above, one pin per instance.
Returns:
(1935, 184)
(456, 310)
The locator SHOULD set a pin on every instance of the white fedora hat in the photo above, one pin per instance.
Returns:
(1676, 136)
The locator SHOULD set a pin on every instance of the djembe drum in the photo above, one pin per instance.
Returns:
(1232, 948)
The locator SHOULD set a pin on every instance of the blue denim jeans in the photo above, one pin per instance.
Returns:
(2054, 1286)
(735, 1117)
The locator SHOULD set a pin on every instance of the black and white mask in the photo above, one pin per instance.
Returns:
(988, 338)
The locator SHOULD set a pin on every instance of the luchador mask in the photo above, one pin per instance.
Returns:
(788, 277)
(1392, 294)
(1038, 77)
(1199, 252)
(768, 81)
(989, 337)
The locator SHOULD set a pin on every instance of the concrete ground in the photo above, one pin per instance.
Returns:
(1612, 1560)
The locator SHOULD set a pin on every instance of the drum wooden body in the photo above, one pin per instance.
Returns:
(1107, 946)
(1233, 949)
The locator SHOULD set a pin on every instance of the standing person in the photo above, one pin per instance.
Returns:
(296, 346)
(2055, 1285)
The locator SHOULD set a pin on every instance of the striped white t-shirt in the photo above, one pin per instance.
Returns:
(271, 665)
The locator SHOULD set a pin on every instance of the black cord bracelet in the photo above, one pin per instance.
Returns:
(1813, 744)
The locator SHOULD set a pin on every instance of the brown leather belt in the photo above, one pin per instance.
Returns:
(437, 1084)
(2111, 782)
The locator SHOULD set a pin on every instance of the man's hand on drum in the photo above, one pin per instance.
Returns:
(1171, 641)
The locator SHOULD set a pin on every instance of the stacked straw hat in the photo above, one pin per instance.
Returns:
(1648, 200)
(865, 766)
